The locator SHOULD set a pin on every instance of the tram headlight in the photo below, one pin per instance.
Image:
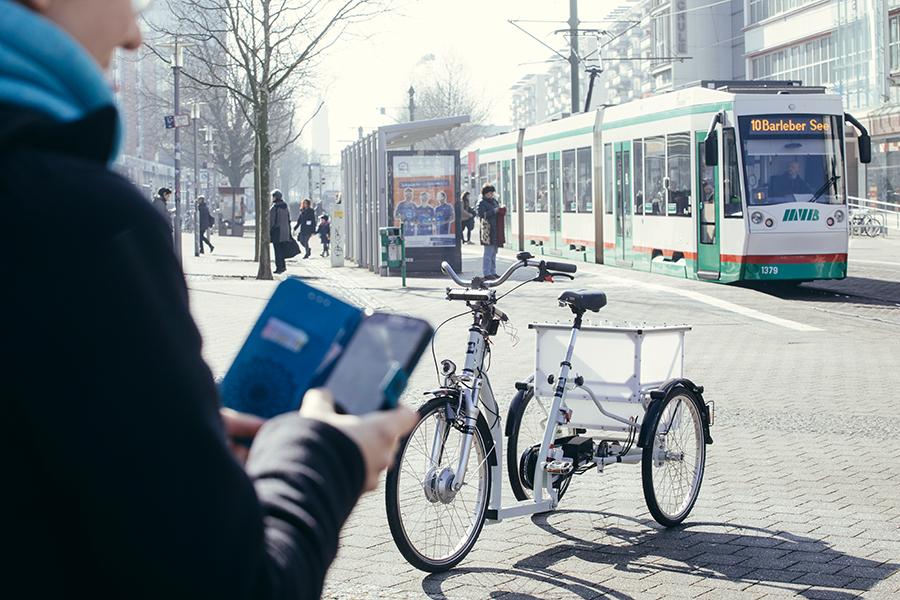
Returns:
(839, 216)
(756, 217)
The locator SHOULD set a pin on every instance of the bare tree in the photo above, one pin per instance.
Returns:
(446, 92)
(260, 51)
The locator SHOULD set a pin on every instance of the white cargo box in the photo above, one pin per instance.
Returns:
(618, 363)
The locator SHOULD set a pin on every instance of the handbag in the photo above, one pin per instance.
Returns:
(292, 248)
(485, 231)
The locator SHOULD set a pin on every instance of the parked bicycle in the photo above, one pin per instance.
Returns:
(447, 478)
(865, 223)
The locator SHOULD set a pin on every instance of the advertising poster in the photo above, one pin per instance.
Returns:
(423, 198)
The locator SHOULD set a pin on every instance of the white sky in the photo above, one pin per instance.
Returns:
(368, 74)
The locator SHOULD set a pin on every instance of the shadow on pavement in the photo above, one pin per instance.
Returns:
(773, 561)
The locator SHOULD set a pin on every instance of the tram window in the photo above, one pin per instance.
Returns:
(514, 199)
(529, 184)
(585, 189)
(609, 176)
(569, 199)
(732, 190)
(506, 197)
(541, 201)
(638, 177)
(679, 175)
(793, 158)
(655, 174)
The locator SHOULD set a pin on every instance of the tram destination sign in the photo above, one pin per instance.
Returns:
(789, 124)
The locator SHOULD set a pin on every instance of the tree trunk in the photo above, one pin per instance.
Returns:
(265, 158)
(256, 202)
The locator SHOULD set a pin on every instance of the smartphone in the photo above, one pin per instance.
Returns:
(296, 340)
(374, 367)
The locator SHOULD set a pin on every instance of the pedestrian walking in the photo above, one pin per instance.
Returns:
(306, 223)
(467, 219)
(205, 221)
(161, 204)
(131, 490)
(279, 230)
(491, 214)
(324, 231)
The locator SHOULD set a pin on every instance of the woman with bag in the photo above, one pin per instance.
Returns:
(280, 230)
(306, 223)
(491, 213)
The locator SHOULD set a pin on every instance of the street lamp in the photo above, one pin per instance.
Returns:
(177, 61)
(195, 119)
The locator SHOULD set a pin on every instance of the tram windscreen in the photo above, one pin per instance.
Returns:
(793, 158)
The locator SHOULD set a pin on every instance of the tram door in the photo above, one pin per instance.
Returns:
(708, 215)
(556, 242)
(507, 198)
(623, 202)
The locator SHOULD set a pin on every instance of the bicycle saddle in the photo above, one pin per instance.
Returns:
(583, 299)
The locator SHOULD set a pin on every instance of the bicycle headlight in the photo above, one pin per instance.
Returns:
(447, 368)
(756, 217)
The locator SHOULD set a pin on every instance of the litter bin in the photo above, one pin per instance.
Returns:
(393, 249)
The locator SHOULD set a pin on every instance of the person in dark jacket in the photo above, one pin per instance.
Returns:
(489, 209)
(467, 218)
(279, 229)
(306, 223)
(161, 204)
(205, 221)
(119, 480)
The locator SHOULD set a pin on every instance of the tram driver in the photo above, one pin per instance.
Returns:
(790, 182)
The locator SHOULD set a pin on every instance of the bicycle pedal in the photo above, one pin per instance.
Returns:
(559, 467)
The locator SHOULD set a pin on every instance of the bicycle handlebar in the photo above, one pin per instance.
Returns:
(561, 267)
(543, 267)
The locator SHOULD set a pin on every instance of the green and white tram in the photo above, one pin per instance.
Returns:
(737, 183)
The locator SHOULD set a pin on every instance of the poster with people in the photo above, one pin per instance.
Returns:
(423, 189)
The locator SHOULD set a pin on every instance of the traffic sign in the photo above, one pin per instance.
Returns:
(173, 121)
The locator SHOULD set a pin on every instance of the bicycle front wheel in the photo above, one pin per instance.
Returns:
(672, 464)
(433, 525)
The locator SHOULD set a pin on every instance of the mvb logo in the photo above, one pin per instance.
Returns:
(801, 214)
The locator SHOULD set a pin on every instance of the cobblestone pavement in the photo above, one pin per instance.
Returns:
(799, 497)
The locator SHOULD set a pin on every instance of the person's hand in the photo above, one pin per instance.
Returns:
(240, 428)
(501, 211)
(377, 434)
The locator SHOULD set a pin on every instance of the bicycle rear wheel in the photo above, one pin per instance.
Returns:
(433, 526)
(672, 464)
(527, 427)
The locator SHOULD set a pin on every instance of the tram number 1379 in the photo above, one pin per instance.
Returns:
(768, 270)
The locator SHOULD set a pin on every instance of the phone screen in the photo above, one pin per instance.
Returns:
(371, 373)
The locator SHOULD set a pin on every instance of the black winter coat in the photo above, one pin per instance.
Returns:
(117, 479)
(306, 222)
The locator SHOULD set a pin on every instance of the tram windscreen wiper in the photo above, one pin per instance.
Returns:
(831, 180)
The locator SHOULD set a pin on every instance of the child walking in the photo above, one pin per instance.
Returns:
(324, 231)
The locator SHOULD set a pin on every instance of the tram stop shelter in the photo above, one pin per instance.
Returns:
(372, 184)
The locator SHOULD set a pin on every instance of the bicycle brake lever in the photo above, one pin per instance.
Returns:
(561, 275)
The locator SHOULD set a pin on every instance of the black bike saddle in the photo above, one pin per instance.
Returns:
(583, 299)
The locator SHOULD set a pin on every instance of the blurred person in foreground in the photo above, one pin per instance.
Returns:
(119, 481)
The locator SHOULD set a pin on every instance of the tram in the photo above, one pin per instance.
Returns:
(722, 182)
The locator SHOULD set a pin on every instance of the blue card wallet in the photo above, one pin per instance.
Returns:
(292, 348)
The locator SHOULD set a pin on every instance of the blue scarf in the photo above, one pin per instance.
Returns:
(42, 67)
